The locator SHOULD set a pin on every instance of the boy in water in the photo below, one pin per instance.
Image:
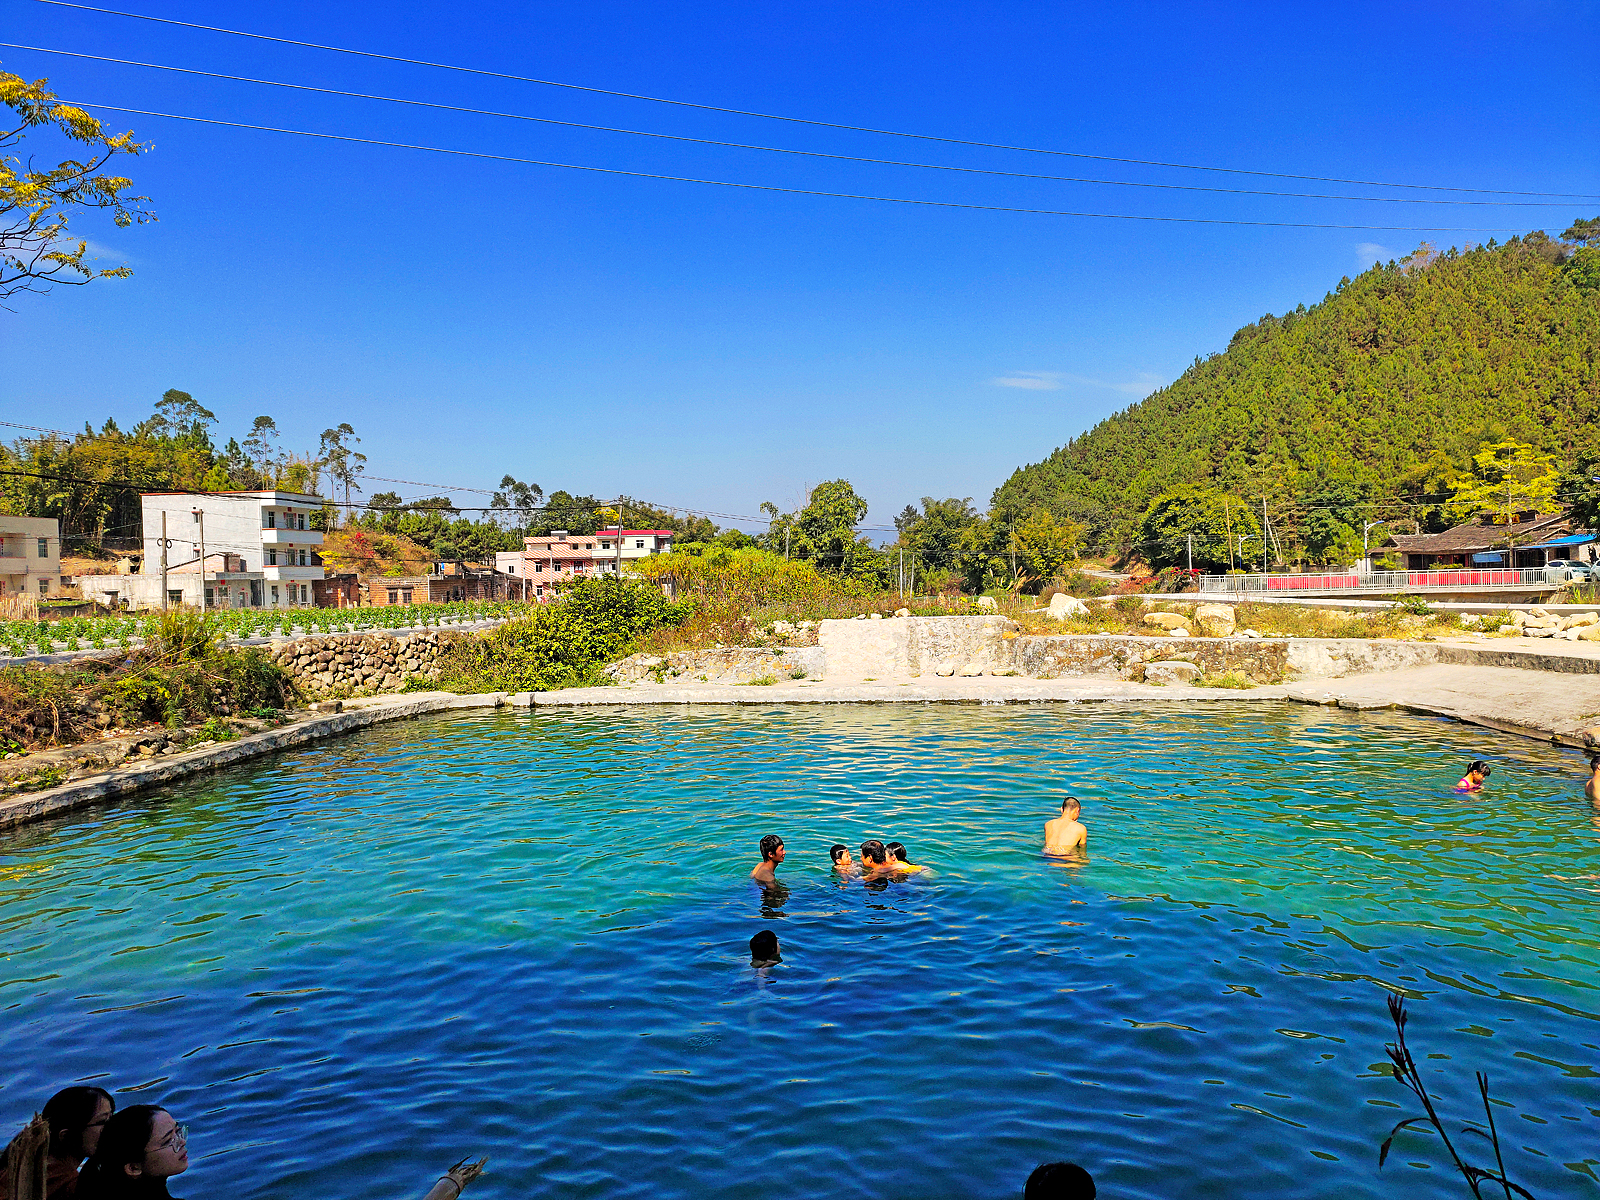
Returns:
(842, 862)
(1592, 788)
(1477, 772)
(1066, 833)
(764, 949)
(766, 871)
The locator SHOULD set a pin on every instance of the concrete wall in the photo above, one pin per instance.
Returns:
(1068, 656)
(730, 664)
(913, 646)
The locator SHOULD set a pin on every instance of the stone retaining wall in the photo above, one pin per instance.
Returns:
(1067, 655)
(347, 664)
(727, 664)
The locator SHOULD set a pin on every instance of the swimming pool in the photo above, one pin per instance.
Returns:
(525, 936)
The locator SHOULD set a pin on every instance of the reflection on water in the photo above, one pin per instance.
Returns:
(529, 937)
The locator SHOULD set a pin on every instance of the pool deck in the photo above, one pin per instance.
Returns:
(1555, 698)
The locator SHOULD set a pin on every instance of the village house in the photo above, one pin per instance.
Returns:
(1532, 540)
(30, 556)
(259, 552)
(563, 556)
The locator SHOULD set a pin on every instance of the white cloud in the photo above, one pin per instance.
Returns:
(1033, 381)
(1368, 253)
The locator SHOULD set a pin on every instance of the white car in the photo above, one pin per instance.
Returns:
(1559, 570)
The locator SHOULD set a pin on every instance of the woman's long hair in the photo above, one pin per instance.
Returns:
(123, 1141)
(69, 1112)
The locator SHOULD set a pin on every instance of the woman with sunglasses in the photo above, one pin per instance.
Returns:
(140, 1148)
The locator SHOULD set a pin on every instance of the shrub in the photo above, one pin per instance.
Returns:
(596, 621)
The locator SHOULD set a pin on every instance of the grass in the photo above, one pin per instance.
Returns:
(1235, 680)
(762, 681)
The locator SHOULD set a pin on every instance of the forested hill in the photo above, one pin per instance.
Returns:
(1396, 376)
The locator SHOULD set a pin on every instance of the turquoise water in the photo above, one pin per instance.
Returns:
(525, 936)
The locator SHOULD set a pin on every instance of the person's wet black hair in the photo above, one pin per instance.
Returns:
(835, 850)
(1072, 800)
(896, 850)
(68, 1114)
(1481, 767)
(875, 851)
(1059, 1181)
(769, 846)
(764, 947)
(123, 1141)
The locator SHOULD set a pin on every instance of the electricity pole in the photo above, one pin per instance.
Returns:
(201, 517)
(619, 539)
(1191, 552)
(1264, 535)
(163, 559)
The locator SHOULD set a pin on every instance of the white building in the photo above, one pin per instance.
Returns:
(30, 555)
(260, 549)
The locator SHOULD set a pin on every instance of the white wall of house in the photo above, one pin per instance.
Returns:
(30, 555)
(269, 530)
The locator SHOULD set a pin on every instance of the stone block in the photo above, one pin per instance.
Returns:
(1063, 606)
(1166, 620)
(1215, 620)
(1176, 671)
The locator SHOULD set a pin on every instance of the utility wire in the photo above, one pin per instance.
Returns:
(800, 120)
(792, 191)
(854, 158)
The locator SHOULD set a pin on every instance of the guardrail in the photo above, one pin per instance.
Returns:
(1493, 579)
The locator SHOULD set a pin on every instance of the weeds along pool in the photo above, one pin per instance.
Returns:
(526, 936)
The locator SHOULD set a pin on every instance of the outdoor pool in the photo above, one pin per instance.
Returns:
(526, 936)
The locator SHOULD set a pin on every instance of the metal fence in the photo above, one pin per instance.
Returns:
(1492, 579)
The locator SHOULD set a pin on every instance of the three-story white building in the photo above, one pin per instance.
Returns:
(266, 535)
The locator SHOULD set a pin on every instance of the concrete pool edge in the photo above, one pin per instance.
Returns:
(1483, 696)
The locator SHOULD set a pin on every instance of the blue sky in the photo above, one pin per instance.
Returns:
(712, 348)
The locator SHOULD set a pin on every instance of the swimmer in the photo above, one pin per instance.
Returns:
(764, 949)
(874, 858)
(766, 871)
(1066, 833)
(1477, 772)
(842, 862)
(1592, 788)
(1059, 1181)
(897, 859)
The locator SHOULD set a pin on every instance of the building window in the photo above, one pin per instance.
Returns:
(539, 567)
(44, 547)
(302, 561)
(405, 595)
(272, 519)
(272, 558)
(605, 545)
(274, 593)
(44, 587)
(210, 599)
(638, 543)
(302, 521)
(174, 596)
(302, 593)
(394, 596)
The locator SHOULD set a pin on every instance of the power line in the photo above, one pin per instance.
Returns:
(792, 191)
(800, 120)
(854, 158)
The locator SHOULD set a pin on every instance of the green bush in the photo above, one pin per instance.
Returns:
(565, 644)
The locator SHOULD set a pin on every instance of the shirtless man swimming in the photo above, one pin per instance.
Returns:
(1066, 833)
(766, 871)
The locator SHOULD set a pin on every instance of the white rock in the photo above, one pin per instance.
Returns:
(1177, 633)
(971, 670)
(1167, 620)
(1251, 633)
(874, 616)
(1508, 627)
(986, 602)
(902, 612)
(945, 670)
(1063, 606)
(1568, 635)
(783, 628)
(1171, 672)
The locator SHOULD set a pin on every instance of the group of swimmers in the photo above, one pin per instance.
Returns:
(96, 1152)
(1065, 834)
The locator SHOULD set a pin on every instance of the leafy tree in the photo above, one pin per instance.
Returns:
(1215, 520)
(36, 205)
(983, 556)
(1331, 529)
(345, 464)
(261, 447)
(1043, 544)
(823, 532)
(515, 501)
(934, 534)
(1507, 478)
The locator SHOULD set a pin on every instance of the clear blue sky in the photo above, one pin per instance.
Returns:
(712, 348)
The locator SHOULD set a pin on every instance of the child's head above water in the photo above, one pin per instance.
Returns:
(896, 851)
(764, 948)
(1070, 807)
(1480, 768)
(840, 853)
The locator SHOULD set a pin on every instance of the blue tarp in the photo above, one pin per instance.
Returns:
(1572, 539)
(1488, 558)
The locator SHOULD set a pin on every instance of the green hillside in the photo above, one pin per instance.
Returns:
(1373, 400)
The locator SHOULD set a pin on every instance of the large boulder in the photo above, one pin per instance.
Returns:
(1578, 620)
(1063, 606)
(1171, 672)
(986, 602)
(1589, 633)
(1215, 620)
(1167, 620)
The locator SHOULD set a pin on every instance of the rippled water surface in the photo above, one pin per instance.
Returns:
(525, 936)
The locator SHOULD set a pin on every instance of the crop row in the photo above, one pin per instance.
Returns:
(123, 631)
